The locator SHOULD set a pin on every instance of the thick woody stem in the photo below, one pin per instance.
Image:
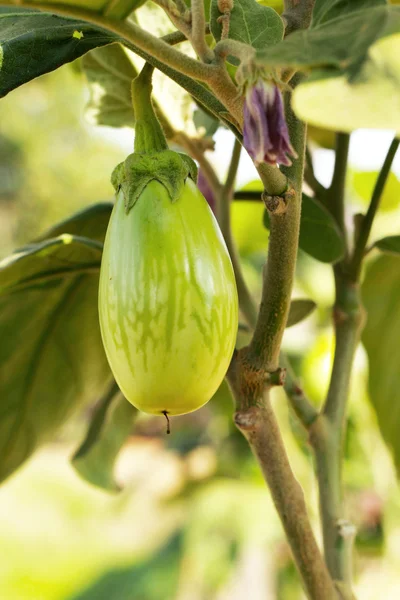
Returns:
(254, 368)
(259, 426)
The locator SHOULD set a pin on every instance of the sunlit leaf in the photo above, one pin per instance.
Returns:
(300, 309)
(389, 245)
(90, 222)
(370, 101)
(355, 78)
(110, 72)
(323, 137)
(362, 183)
(109, 429)
(381, 298)
(51, 355)
(48, 40)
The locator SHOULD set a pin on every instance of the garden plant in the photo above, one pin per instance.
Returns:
(148, 296)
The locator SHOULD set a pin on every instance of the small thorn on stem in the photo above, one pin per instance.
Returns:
(165, 413)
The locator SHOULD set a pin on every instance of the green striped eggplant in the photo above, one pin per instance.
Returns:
(167, 302)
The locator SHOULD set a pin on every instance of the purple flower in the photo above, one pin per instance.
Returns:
(265, 133)
(205, 189)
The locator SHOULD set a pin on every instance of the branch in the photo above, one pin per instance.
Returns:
(197, 34)
(130, 34)
(254, 368)
(195, 150)
(335, 198)
(366, 223)
(282, 252)
(311, 180)
(259, 426)
(246, 302)
(327, 431)
(301, 405)
(127, 31)
(177, 16)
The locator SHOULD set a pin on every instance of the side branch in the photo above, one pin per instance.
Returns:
(368, 219)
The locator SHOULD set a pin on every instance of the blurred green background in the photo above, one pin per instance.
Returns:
(194, 520)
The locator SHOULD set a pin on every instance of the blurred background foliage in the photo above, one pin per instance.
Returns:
(194, 520)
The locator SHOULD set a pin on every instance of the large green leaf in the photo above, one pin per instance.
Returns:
(389, 245)
(109, 429)
(33, 43)
(142, 580)
(355, 79)
(51, 355)
(250, 23)
(110, 72)
(326, 10)
(90, 222)
(371, 100)
(333, 43)
(320, 236)
(381, 297)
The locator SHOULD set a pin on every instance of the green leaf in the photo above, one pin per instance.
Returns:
(355, 79)
(121, 9)
(158, 570)
(250, 23)
(110, 72)
(389, 245)
(362, 184)
(299, 310)
(109, 429)
(90, 222)
(381, 298)
(333, 44)
(370, 101)
(327, 10)
(51, 355)
(320, 236)
(204, 122)
(48, 40)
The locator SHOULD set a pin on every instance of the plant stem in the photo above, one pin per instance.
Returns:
(301, 405)
(259, 426)
(194, 149)
(128, 33)
(366, 223)
(282, 252)
(201, 94)
(177, 16)
(337, 188)
(197, 35)
(250, 377)
(274, 180)
(327, 431)
(246, 302)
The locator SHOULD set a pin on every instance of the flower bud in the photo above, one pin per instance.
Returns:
(265, 134)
